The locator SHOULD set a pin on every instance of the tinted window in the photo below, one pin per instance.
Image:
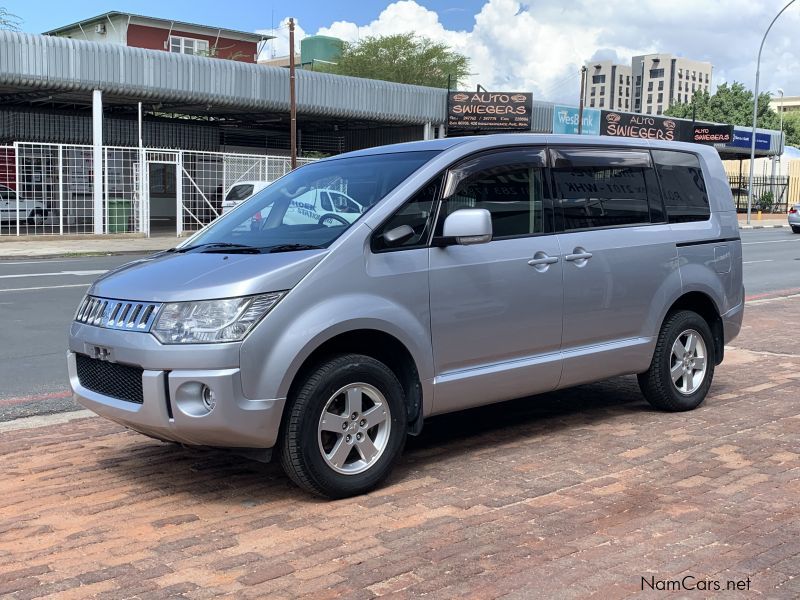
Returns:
(605, 188)
(682, 185)
(510, 185)
(240, 192)
(416, 213)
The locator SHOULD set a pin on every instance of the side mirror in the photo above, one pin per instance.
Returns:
(469, 226)
(398, 235)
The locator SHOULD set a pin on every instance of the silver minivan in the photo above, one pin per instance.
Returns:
(481, 269)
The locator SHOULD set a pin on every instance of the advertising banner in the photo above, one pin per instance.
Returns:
(647, 127)
(743, 138)
(712, 134)
(565, 120)
(482, 111)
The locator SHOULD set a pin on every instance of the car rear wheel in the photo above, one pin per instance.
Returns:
(796, 228)
(345, 427)
(36, 217)
(682, 368)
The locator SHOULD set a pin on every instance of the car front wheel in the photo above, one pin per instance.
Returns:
(345, 427)
(682, 368)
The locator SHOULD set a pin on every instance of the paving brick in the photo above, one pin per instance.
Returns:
(573, 494)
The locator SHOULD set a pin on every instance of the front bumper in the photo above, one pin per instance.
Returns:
(172, 408)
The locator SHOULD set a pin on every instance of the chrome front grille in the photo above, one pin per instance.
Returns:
(117, 314)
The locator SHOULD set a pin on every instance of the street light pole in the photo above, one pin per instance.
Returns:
(755, 113)
(780, 91)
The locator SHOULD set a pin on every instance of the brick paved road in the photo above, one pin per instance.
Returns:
(574, 494)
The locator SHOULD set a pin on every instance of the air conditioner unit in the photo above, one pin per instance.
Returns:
(100, 28)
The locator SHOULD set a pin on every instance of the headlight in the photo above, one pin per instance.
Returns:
(211, 321)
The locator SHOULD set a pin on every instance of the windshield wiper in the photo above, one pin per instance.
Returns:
(292, 247)
(219, 247)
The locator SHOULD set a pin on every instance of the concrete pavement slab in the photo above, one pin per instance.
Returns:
(42, 247)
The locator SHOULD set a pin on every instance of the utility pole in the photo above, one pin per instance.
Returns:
(580, 102)
(292, 99)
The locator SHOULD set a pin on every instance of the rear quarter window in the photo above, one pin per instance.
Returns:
(682, 186)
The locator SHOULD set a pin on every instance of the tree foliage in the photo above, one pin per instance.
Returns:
(734, 104)
(404, 58)
(9, 21)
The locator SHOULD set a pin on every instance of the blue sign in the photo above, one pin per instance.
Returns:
(742, 138)
(565, 120)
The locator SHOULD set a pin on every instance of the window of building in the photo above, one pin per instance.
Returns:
(660, 109)
(649, 86)
(693, 86)
(656, 73)
(706, 77)
(602, 102)
(660, 97)
(660, 85)
(591, 103)
(626, 103)
(510, 185)
(602, 90)
(620, 91)
(686, 97)
(694, 75)
(680, 86)
(685, 195)
(649, 98)
(649, 109)
(598, 78)
(592, 92)
(184, 45)
(598, 188)
(638, 80)
(680, 72)
(627, 80)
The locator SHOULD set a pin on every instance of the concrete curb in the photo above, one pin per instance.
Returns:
(779, 225)
(78, 254)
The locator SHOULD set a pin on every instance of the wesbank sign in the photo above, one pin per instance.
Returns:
(565, 120)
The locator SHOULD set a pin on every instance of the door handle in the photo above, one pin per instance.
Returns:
(544, 260)
(580, 254)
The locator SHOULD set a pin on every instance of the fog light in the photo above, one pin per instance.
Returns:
(209, 400)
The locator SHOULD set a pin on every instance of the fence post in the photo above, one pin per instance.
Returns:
(16, 180)
(60, 189)
(105, 190)
(179, 195)
(97, 160)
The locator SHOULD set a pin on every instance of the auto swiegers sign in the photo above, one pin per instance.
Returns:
(482, 111)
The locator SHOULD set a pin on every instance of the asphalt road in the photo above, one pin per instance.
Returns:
(38, 299)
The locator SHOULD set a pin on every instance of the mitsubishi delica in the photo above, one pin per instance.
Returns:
(467, 272)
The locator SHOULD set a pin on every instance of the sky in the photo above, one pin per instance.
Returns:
(534, 45)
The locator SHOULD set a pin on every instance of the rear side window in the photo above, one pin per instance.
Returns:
(605, 188)
(683, 187)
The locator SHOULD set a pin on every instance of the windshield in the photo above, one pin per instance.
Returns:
(313, 205)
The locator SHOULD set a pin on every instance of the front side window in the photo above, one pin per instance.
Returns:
(682, 185)
(510, 185)
(600, 188)
(291, 210)
(417, 213)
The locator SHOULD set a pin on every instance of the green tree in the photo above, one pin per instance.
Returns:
(404, 58)
(734, 104)
(9, 21)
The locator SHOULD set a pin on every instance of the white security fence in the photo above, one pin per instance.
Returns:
(47, 189)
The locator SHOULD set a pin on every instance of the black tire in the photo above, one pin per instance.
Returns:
(332, 217)
(300, 448)
(795, 229)
(656, 383)
(34, 215)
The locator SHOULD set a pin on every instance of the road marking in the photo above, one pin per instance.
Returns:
(75, 273)
(775, 299)
(34, 398)
(751, 262)
(44, 420)
(770, 242)
(36, 262)
(47, 287)
(774, 295)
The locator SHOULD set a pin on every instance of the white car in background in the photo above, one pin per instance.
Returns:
(324, 207)
(31, 212)
(241, 191)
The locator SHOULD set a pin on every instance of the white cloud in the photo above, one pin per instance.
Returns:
(539, 46)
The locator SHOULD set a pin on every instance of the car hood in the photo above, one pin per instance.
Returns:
(171, 277)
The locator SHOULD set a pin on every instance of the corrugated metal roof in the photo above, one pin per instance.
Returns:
(35, 62)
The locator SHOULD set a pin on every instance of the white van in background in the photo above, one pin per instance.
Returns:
(241, 191)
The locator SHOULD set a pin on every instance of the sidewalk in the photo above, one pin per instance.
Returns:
(53, 246)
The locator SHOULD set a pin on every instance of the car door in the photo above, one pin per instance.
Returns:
(496, 307)
(619, 260)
